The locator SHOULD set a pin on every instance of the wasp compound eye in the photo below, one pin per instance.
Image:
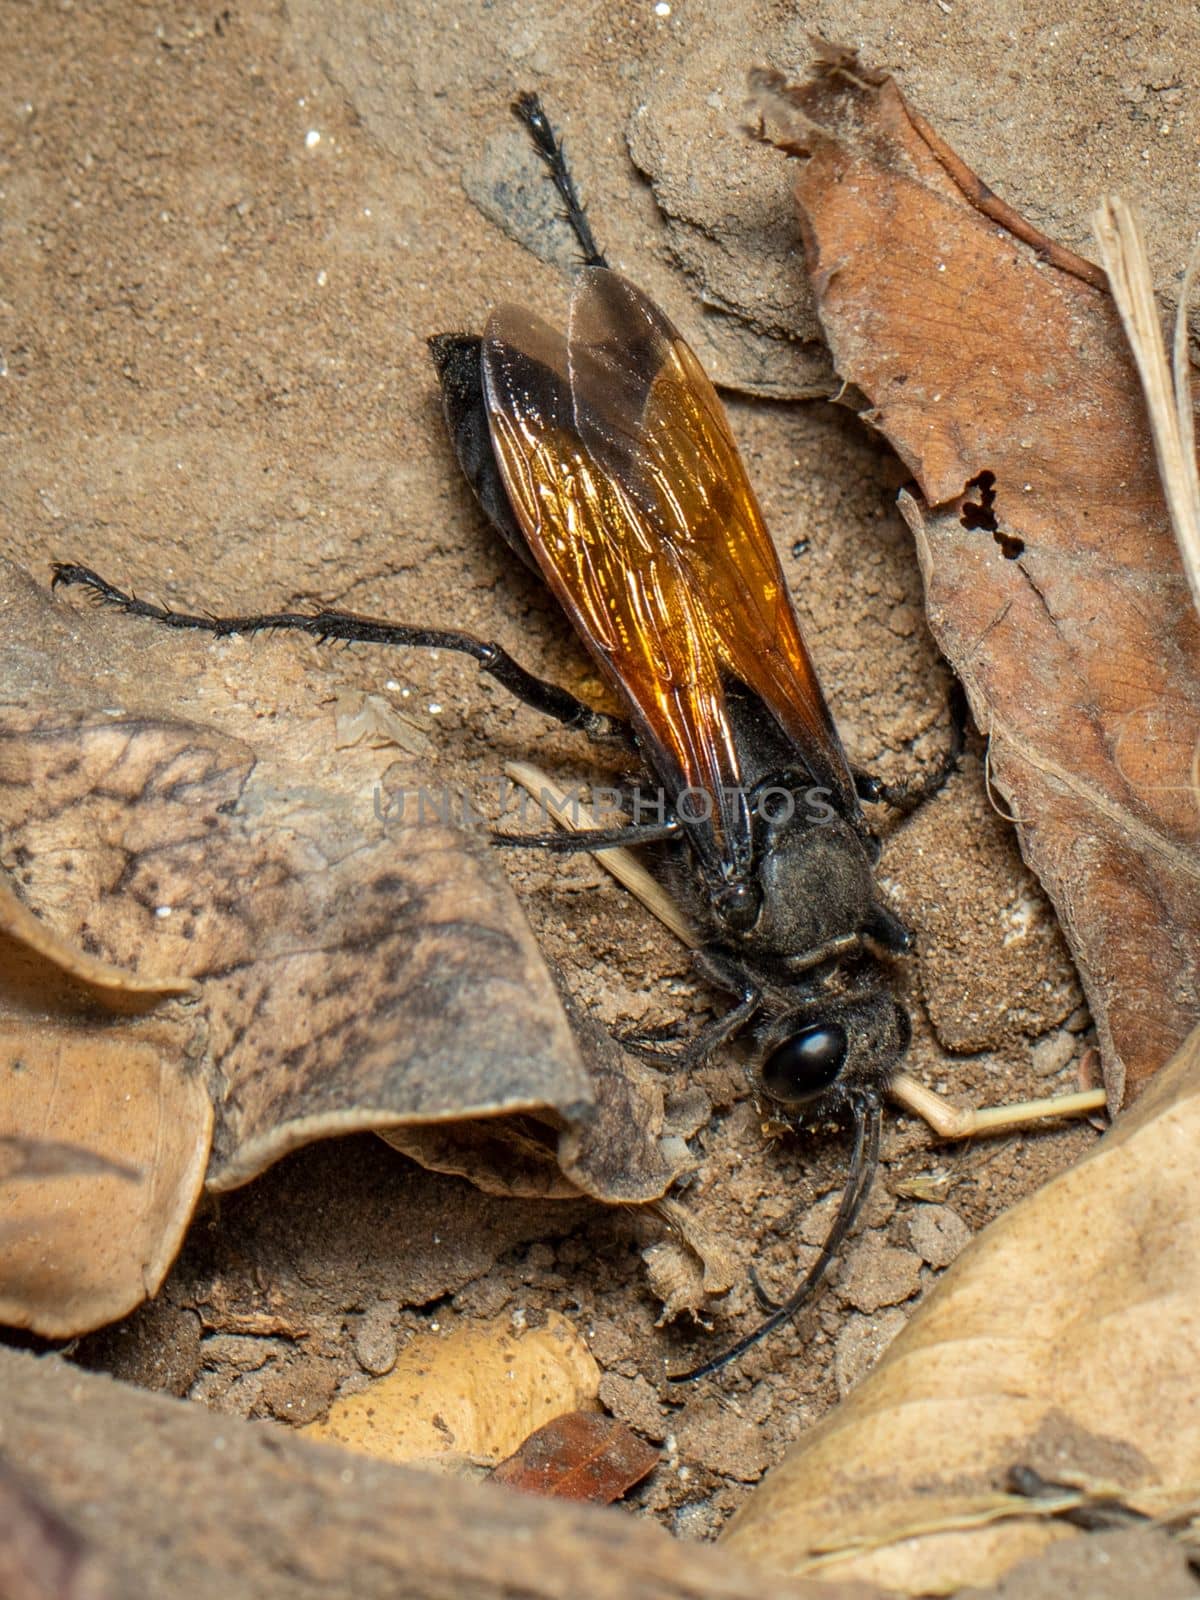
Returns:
(804, 1066)
(738, 906)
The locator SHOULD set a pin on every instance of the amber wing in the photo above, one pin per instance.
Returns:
(627, 483)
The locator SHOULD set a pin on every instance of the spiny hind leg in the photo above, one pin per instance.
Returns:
(352, 628)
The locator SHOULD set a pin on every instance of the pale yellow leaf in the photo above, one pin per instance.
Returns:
(471, 1396)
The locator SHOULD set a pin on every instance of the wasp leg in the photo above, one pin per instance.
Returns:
(885, 928)
(726, 973)
(643, 1040)
(584, 832)
(352, 628)
(711, 1037)
(913, 792)
(528, 109)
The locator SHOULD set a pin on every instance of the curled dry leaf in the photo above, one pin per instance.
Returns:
(85, 1244)
(579, 1456)
(353, 973)
(1063, 1338)
(20, 925)
(617, 1151)
(470, 1397)
(995, 364)
(1168, 389)
(105, 1126)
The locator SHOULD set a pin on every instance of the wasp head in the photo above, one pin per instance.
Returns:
(820, 1056)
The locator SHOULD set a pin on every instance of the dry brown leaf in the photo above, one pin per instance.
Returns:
(996, 366)
(84, 1247)
(105, 1128)
(18, 923)
(1167, 389)
(579, 1456)
(615, 1150)
(470, 1397)
(353, 973)
(1063, 1338)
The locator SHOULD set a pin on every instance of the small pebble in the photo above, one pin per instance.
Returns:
(938, 1234)
(375, 1340)
(633, 1401)
(723, 1442)
(878, 1274)
(1051, 1054)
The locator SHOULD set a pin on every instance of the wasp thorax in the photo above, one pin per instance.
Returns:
(816, 888)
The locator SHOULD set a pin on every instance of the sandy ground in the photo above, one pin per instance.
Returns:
(227, 232)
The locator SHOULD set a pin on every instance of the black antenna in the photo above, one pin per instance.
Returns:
(868, 1119)
(528, 108)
